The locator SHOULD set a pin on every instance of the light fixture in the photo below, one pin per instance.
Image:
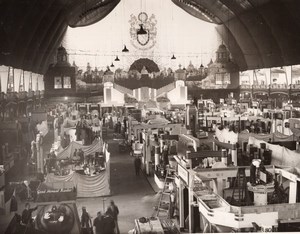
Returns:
(201, 66)
(173, 57)
(141, 31)
(125, 49)
(112, 65)
(117, 58)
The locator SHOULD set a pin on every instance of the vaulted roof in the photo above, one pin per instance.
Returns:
(258, 33)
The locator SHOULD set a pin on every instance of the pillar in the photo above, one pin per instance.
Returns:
(224, 157)
(147, 154)
(288, 72)
(268, 76)
(161, 144)
(156, 156)
(234, 156)
(293, 192)
(251, 76)
(191, 210)
(181, 207)
(214, 146)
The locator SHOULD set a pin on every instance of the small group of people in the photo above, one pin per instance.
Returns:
(106, 223)
(84, 131)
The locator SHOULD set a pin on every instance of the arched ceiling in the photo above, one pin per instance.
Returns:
(258, 33)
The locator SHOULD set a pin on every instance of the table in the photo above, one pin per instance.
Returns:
(150, 227)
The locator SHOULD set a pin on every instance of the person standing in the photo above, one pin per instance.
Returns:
(113, 211)
(99, 224)
(86, 223)
(165, 154)
(108, 224)
(27, 215)
(137, 165)
(172, 205)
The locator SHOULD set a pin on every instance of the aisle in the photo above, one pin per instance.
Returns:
(128, 191)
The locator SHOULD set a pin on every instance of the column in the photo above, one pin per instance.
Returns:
(156, 156)
(234, 156)
(161, 141)
(293, 192)
(181, 206)
(288, 71)
(224, 157)
(214, 146)
(191, 209)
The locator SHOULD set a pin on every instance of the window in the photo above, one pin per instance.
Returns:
(226, 78)
(219, 79)
(67, 82)
(57, 82)
(222, 79)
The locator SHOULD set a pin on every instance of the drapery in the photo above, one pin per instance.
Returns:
(280, 155)
(86, 186)
(277, 136)
(96, 146)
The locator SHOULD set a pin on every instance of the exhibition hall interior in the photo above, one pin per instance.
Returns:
(149, 116)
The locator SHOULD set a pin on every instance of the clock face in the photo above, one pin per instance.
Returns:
(143, 17)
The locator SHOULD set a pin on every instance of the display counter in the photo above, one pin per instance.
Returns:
(148, 226)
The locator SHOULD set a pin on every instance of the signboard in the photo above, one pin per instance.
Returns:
(183, 174)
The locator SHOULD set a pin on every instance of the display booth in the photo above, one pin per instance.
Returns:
(86, 185)
(92, 183)
(96, 146)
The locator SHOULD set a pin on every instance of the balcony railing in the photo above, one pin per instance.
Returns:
(295, 86)
(261, 86)
(279, 86)
(272, 86)
(245, 86)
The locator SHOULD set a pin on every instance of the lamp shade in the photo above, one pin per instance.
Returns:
(112, 65)
(117, 58)
(173, 57)
(125, 49)
(141, 31)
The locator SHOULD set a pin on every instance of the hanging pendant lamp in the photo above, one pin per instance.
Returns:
(173, 57)
(117, 58)
(112, 65)
(125, 49)
(141, 31)
(201, 66)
